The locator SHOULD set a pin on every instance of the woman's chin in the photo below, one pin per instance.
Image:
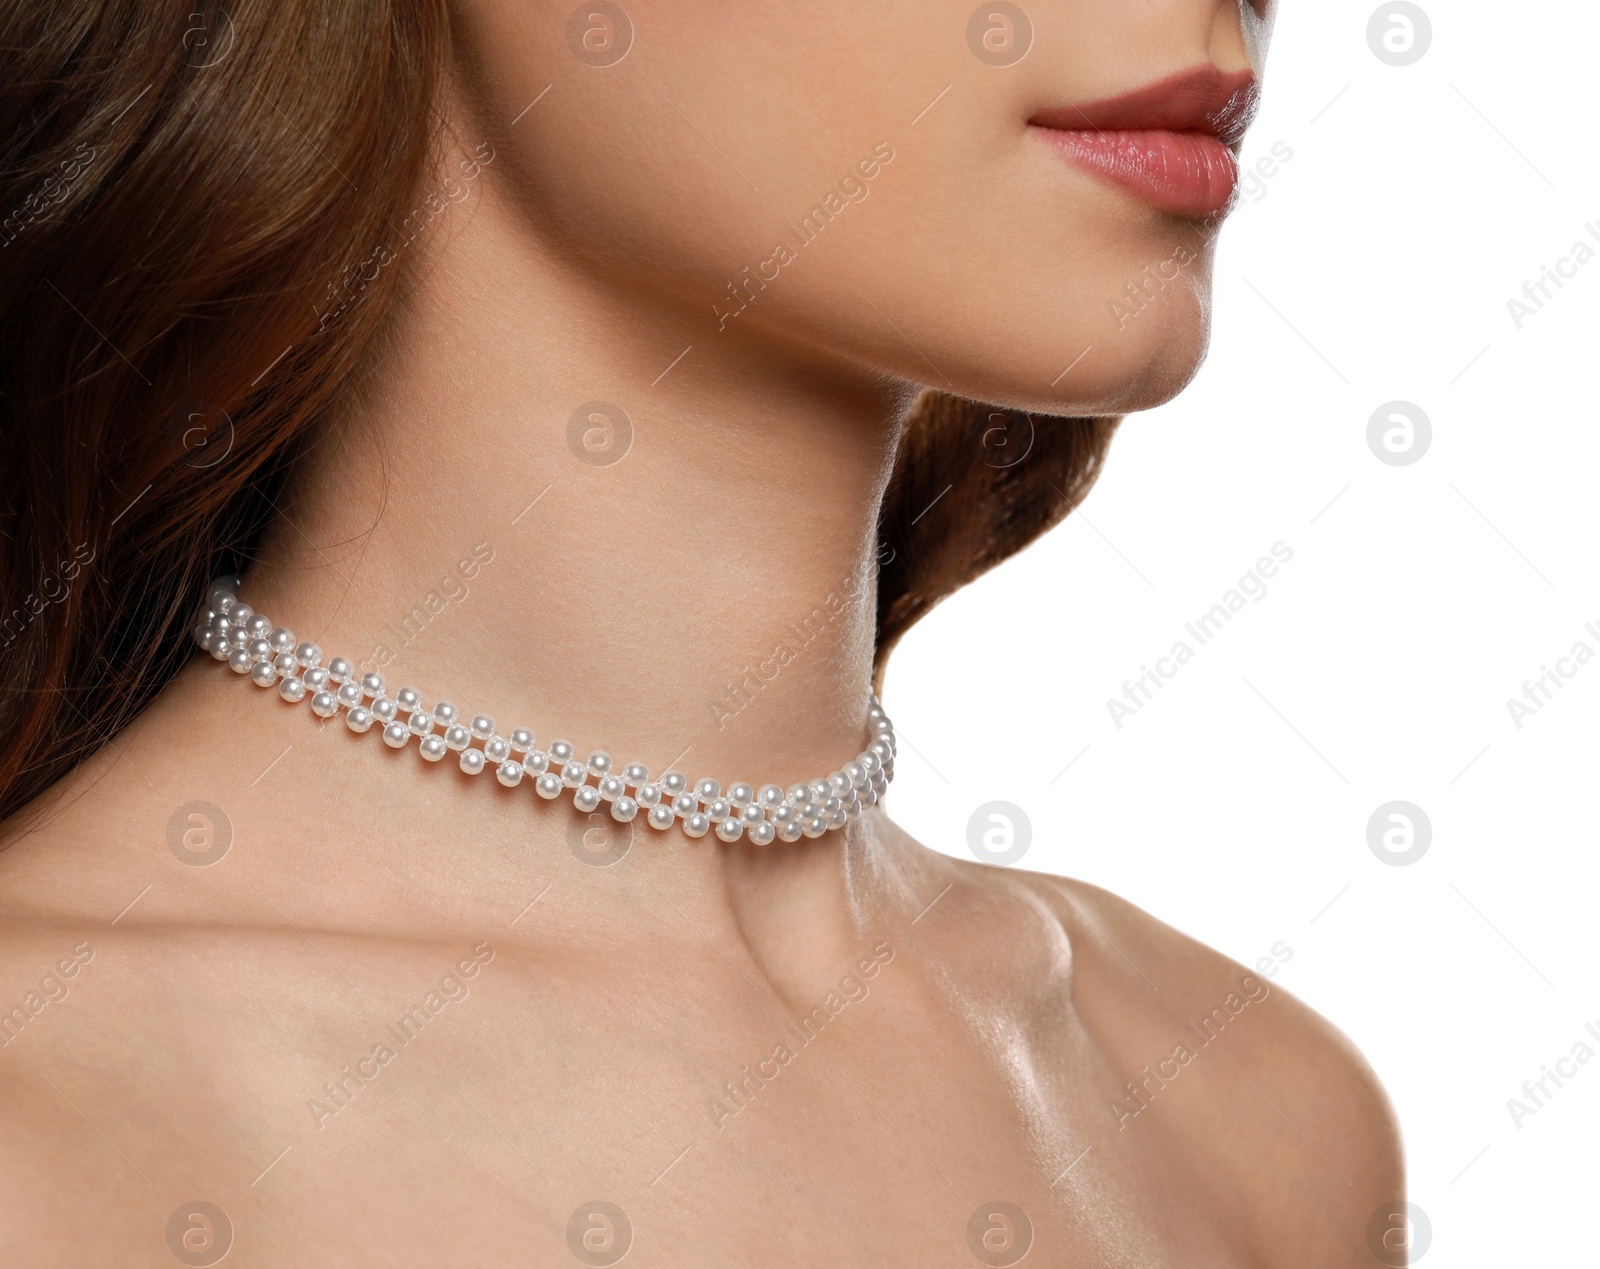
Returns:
(1152, 376)
(1129, 371)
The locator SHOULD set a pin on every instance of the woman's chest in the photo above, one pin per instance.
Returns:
(474, 1108)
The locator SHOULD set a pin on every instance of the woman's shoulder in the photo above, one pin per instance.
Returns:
(1223, 1059)
(1121, 948)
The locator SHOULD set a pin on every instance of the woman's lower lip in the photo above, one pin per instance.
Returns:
(1185, 173)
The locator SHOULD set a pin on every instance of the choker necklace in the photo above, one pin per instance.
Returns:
(232, 631)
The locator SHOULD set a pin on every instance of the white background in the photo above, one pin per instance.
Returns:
(1376, 265)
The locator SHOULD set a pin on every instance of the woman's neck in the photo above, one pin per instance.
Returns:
(679, 572)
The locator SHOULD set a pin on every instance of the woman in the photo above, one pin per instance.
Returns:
(607, 372)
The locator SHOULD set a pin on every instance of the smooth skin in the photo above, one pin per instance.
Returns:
(618, 1033)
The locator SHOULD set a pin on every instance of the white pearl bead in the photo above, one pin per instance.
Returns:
(472, 761)
(685, 805)
(816, 826)
(445, 713)
(820, 789)
(707, 788)
(308, 654)
(496, 750)
(349, 694)
(730, 830)
(420, 723)
(316, 678)
(432, 748)
(868, 762)
(839, 783)
(340, 670)
(741, 794)
(259, 650)
(240, 661)
(238, 637)
(358, 719)
(509, 773)
(292, 689)
(674, 782)
(384, 708)
(752, 814)
(587, 798)
(761, 834)
(535, 763)
(408, 699)
(771, 795)
(457, 737)
(660, 816)
(560, 751)
(599, 763)
(324, 704)
(282, 639)
(789, 832)
(785, 814)
(855, 773)
(395, 735)
(875, 711)
(837, 819)
(372, 683)
(482, 726)
(718, 809)
(285, 664)
(648, 795)
(258, 626)
(238, 611)
(612, 788)
(522, 740)
(572, 774)
(799, 794)
(548, 785)
(636, 774)
(624, 809)
(696, 826)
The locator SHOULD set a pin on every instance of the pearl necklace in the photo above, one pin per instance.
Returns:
(234, 632)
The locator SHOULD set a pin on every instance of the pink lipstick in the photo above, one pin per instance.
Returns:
(1170, 143)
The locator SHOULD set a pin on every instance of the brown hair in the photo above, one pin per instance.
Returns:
(175, 184)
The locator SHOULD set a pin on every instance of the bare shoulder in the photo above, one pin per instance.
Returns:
(62, 986)
(1252, 1074)
(53, 983)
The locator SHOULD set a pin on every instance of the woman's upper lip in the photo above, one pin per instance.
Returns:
(1203, 99)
